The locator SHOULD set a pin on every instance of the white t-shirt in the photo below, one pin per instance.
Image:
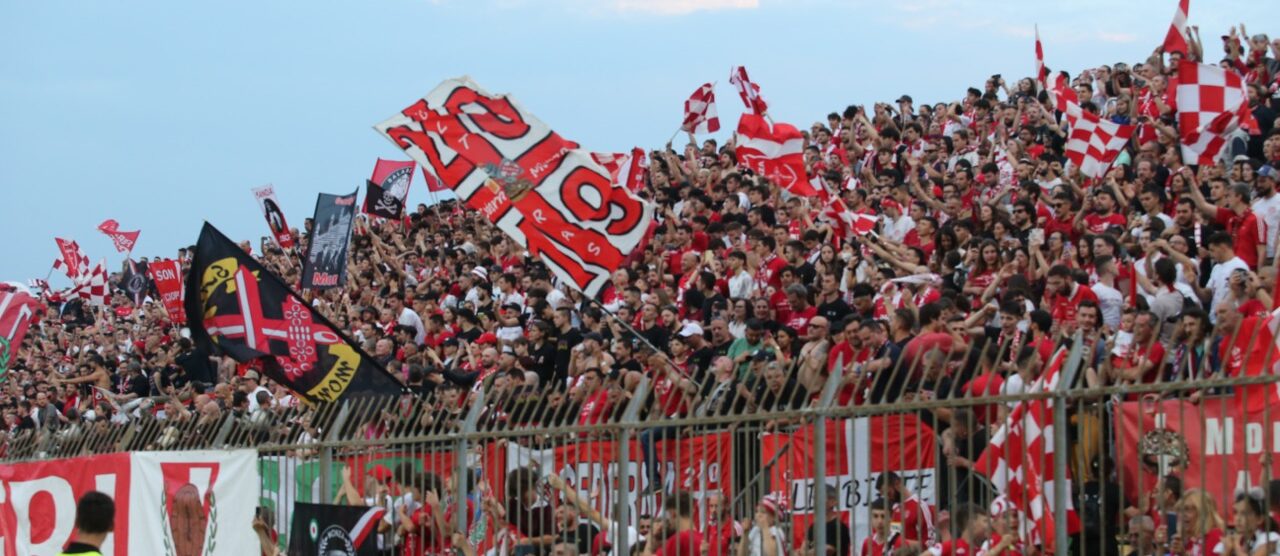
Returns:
(740, 285)
(1219, 282)
(411, 319)
(896, 230)
(1111, 301)
(1267, 209)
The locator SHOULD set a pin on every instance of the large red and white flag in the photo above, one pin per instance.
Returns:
(266, 197)
(124, 241)
(700, 115)
(750, 92)
(628, 170)
(17, 309)
(1176, 39)
(1212, 103)
(1019, 460)
(73, 261)
(774, 151)
(93, 286)
(1094, 143)
(540, 189)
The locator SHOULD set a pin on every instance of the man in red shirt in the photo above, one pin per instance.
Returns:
(1145, 358)
(974, 526)
(682, 538)
(1063, 296)
(1238, 220)
(1104, 214)
(881, 541)
(914, 517)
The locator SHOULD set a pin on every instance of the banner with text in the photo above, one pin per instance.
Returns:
(326, 262)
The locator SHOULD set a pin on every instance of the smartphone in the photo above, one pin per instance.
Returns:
(1171, 523)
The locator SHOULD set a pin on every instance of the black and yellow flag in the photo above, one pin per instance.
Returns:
(236, 307)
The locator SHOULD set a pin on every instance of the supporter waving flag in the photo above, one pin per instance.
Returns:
(700, 115)
(237, 307)
(1019, 460)
(73, 260)
(750, 92)
(775, 151)
(1212, 104)
(1093, 143)
(534, 185)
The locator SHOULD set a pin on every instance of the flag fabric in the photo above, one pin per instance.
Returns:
(1019, 460)
(134, 282)
(166, 274)
(1176, 39)
(237, 307)
(389, 188)
(73, 261)
(629, 170)
(332, 529)
(1041, 76)
(774, 151)
(1093, 143)
(124, 241)
(539, 188)
(39, 284)
(92, 286)
(750, 92)
(266, 197)
(1212, 103)
(700, 115)
(17, 308)
(325, 265)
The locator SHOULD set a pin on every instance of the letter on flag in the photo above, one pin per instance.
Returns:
(124, 241)
(774, 151)
(266, 197)
(325, 265)
(541, 189)
(167, 275)
(237, 307)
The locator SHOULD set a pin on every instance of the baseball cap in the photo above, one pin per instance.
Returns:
(487, 338)
(690, 329)
(1268, 172)
(251, 375)
(481, 273)
(904, 98)
(890, 203)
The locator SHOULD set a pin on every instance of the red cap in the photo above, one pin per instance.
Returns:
(487, 338)
(890, 204)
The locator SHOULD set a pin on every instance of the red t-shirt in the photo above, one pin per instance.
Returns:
(799, 320)
(916, 518)
(1064, 308)
(957, 547)
(983, 385)
(1244, 229)
(594, 408)
(1095, 223)
(684, 543)
(874, 547)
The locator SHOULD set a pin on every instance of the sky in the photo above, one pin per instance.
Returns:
(164, 114)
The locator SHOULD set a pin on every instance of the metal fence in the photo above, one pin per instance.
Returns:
(1141, 459)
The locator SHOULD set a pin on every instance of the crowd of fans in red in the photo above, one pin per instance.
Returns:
(989, 253)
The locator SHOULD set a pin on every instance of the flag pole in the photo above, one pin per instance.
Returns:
(640, 337)
(673, 135)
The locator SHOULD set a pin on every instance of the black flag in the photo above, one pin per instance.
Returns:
(382, 203)
(326, 262)
(237, 307)
(330, 529)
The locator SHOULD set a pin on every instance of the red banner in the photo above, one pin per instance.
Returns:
(1215, 445)
(124, 241)
(167, 275)
(17, 307)
(857, 451)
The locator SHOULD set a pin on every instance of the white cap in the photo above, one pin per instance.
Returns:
(690, 328)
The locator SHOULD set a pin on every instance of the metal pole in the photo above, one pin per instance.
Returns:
(1066, 376)
(622, 505)
(460, 469)
(820, 457)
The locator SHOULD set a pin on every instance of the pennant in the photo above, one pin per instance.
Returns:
(134, 283)
(124, 241)
(750, 92)
(266, 197)
(325, 265)
(237, 307)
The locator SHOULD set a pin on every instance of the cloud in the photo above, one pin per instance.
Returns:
(682, 7)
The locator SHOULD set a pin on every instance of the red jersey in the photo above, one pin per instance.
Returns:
(594, 408)
(684, 543)
(957, 547)
(769, 272)
(871, 546)
(916, 518)
(1064, 308)
(1095, 223)
(799, 320)
(985, 385)
(1247, 232)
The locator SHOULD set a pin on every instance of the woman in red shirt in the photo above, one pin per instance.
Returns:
(984, 271)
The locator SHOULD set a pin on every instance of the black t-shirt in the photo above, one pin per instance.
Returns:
(839, 537)
(543, 361)
(564, 348)
(584, 536)
(531, 522)
(835, 311)
(470, 335)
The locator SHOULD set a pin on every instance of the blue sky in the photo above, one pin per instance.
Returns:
(163, 114)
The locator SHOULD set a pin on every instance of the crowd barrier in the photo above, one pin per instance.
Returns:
(190, 487)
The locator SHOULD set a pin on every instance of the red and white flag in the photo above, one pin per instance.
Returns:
(93, 286)
(627, 170)
(124, 241)
(167, 275)
(1212, 103)
(1041, 77)
(17, 309)
(73, 261)
(774, 151)
(1019, 460)
(1176, 39)
(1093, 143)
(280, 231)
(700, 115)
(750, 92)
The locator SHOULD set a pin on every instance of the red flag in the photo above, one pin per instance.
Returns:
(17, 308)
(124, 241)
(73, 260)
(1133, 285)
(1176, 39)
(750, 92)
(700, 115)
(434, 184)
(774, 151)
(167, 275)
(1041, 76)
(627, 170)
(394, 177)
(1019, 460)
(1212, 103)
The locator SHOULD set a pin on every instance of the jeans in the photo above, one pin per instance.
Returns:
(648, 446)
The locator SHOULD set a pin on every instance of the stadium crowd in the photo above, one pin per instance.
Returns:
(989, 252)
